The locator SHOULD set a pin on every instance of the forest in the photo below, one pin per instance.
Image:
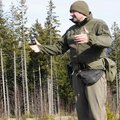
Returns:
(37, 85)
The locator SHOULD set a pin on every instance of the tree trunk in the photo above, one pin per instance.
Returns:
(3, 81)
(8, 103)
(26, 80)
(15, 86)
(41, 98)
(23, 83)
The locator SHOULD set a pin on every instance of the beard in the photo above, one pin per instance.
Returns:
(75, 19)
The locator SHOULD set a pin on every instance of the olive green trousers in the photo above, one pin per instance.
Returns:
(90, 100)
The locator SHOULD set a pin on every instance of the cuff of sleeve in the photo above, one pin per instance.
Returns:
(91, 39)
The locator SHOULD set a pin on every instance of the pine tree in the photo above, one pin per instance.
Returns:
(115, 55)
(5, 50)
(18, 21)
(51, 24)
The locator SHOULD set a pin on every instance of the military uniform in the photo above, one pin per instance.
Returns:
(90, 100)
(99, 40)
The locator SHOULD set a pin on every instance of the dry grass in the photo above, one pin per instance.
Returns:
(65, 118)
(55, 118)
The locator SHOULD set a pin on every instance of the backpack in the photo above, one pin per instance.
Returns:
(110, 69)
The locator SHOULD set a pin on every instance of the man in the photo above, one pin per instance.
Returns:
(87, 41)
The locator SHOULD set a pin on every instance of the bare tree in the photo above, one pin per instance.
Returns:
(24, 52)
(3, 81)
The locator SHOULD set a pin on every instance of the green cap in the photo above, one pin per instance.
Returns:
(80, 6)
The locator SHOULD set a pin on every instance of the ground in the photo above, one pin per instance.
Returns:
(55, 118)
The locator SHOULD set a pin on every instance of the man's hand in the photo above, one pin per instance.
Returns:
(36, 47)
(82, 38)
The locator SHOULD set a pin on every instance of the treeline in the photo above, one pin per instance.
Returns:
(34, 84)
(30, 83)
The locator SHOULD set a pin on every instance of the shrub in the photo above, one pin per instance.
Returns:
(111, 115)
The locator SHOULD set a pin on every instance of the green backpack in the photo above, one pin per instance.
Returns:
(110, 68)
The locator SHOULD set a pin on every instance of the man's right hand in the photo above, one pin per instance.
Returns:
(36, 47)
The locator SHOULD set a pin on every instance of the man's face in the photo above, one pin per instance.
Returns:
(77, 16)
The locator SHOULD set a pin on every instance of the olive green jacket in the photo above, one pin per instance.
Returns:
(99, 39)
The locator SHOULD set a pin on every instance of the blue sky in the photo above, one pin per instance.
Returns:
(108, 10)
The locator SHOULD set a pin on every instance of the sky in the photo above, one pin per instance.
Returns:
(107, 10)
